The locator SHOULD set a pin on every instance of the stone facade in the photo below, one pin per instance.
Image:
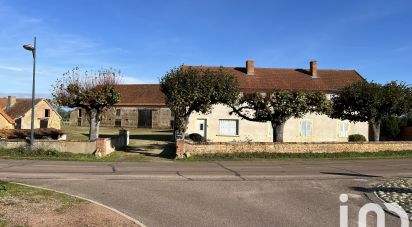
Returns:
(327, 147)
(127, 117)
(53, 120)
(5, 124)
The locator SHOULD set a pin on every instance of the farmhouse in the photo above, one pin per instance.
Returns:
(19, 110)
(220, 126)
(140, 106)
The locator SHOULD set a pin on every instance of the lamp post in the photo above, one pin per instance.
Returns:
(33, 50)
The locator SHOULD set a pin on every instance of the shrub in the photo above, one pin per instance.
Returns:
(196, 137)
(390, 129)
(356, 138)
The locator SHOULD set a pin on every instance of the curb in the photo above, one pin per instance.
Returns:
(90, 200)
(372, 196)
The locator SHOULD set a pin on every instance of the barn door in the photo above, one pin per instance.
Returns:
(44, 123)
(145, 119)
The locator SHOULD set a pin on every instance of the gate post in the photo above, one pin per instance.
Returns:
(180, 148)
(124, 137)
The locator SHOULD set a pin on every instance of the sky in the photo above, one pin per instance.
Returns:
(145, 39)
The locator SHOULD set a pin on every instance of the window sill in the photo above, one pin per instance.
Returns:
(228, 135)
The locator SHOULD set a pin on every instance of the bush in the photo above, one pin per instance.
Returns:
(196, 137)
(356, 138)
(390, 128)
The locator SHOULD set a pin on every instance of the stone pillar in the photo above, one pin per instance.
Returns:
(100, 148)
(180, 148)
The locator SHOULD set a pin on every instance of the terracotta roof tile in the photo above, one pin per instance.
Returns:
(7, 117)
(21, 107)
(268, 79)
(3, 103)
(140, 95)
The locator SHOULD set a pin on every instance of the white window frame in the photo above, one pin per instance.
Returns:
(308, 132)
(341, 126)
(226, 132)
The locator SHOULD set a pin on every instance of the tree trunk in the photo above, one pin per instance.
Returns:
(376, 130)
(98, 120)
(93, 135)
(185, 124)
(278, 132)
(180, 126)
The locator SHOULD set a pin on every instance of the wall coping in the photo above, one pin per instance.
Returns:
(298, 143)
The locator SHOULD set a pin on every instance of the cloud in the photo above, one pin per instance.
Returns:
(11, 68)
(130, 80)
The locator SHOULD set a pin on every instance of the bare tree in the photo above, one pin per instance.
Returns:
(94, 92)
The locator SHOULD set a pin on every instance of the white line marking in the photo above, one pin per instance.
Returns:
(90, 200)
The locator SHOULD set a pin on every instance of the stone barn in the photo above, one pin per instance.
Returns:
(140, 106)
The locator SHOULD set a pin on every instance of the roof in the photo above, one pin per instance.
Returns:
(3, 103)
(21, 107)
(140, 95)
(7, 117)
(269, 79)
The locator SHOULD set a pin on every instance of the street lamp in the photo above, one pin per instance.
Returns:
(33, 50)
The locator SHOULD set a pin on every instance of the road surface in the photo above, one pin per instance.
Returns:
(240, 193)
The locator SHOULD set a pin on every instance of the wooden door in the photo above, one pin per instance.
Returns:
(145, 119)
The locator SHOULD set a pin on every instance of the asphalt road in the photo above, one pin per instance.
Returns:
(241, 193)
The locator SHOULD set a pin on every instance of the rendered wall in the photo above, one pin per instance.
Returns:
(324, 129)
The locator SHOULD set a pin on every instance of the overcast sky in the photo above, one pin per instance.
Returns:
(144, 39)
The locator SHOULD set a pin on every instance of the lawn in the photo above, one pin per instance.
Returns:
(24, 153)
(144, 138)
(27, 206)
(145, 145)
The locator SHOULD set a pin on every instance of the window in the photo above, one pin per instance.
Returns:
(80, 113)
(343, 129)
(118, 123)
(305, 128)
(118, 111)
(229, 127)
(47, 113)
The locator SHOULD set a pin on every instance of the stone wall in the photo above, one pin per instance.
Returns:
(101, 147)
(183, 147)
(129, 116)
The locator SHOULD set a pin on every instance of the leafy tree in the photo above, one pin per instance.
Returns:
(197, 89)
(93, 92)
(279, 106)
(371, 102)
(390, 128)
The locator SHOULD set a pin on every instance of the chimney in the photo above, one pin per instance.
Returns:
(250, 67)
(314, 69)
(11, 101)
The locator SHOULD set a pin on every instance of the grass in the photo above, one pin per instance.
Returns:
(12, 193)
(299, 156)
(22, 198)
(24, 153)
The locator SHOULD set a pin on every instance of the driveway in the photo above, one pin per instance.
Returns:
(241, 193)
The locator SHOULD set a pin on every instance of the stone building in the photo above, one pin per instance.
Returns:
(19, 110)
(6, 122)
(140, 106)
(220, 126)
